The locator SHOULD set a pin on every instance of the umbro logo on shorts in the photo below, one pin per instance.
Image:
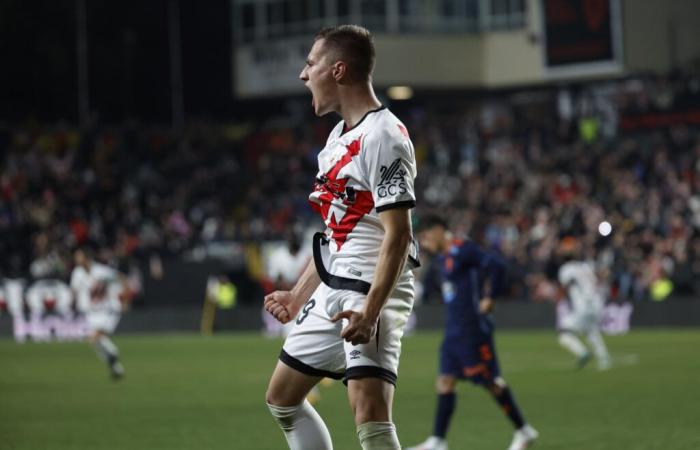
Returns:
(355, 354)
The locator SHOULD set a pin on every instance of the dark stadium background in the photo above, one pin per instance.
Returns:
(128, 59)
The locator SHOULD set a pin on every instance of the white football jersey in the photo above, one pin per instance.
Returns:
(83, 282)
(581, 283)
(363, 171)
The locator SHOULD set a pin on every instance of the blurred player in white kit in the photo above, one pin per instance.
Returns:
(285, 266)
(582, 312)
(98, 289)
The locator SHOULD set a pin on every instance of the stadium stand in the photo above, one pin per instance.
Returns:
(519, 170)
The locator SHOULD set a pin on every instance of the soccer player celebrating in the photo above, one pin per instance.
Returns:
(350, 305)
(98, 288)
(581, 313)
(467, 350)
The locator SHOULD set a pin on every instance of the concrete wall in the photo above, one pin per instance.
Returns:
(427, 60)
(660, 33)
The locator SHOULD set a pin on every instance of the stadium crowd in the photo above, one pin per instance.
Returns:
(520, 171)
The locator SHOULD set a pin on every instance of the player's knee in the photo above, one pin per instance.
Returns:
(369, 406)
(370, 409)
(445, 385)
(378, 436)
(370, 399)
(277, 398)
(94, 337)
(496, 386)
(284, 415)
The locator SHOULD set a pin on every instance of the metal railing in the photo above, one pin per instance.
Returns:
(269, 20)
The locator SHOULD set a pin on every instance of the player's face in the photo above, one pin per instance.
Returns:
(433, 239)
(317, 75)
(79, 258)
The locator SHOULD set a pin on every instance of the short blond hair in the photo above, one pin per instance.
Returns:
(353, 45)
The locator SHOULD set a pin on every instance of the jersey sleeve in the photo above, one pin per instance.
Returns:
(390, 166)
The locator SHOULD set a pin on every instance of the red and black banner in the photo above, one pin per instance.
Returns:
(579, 32)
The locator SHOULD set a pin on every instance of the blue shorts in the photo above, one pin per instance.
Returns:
(470, 358)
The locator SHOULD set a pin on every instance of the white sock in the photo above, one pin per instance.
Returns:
(599, 349)
(106, 349)
(573, 344)
(378, 436)
(108, 346)
(302, 426)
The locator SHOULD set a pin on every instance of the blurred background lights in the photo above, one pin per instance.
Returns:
(400, 92)
(605, 228)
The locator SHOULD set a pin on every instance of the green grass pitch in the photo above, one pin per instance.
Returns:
(192, 392)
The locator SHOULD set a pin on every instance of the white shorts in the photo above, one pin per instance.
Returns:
(314, 346)
(105, 321)
(577, 321)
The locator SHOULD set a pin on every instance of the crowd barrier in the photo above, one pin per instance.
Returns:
(45, 311)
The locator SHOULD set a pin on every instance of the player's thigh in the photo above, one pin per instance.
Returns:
(451, 362)
(314, 346)
(370, 399)
(288, 387)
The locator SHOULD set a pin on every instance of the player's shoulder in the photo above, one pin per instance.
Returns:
(383, 127)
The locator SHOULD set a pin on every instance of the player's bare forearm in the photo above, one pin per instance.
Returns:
(284, 305)
(307, 284)
(392, 257)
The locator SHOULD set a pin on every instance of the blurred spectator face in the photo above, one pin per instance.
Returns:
(433, 239)
(42, 244)
(319, 76)
(81, 259)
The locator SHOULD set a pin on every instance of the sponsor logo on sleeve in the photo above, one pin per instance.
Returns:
(392, 181)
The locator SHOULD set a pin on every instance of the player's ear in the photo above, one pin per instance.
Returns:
(339, 70)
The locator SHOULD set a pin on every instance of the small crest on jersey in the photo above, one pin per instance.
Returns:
(353, 271)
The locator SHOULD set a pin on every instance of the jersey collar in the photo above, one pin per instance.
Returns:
(345, 130)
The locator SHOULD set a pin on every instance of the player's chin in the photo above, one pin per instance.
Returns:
(320, 109)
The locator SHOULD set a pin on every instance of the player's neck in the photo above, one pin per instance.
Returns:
(355, 102)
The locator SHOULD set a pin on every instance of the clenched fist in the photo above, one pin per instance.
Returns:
(281, 305)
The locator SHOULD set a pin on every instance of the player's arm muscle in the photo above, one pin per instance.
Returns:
(307, 284)
(284, 305)
(392, 257)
